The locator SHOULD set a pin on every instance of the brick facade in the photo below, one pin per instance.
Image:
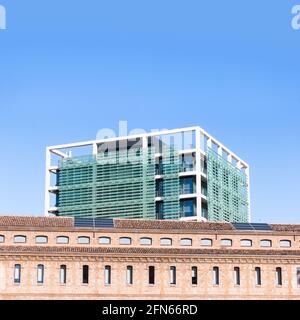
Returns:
(96, 256)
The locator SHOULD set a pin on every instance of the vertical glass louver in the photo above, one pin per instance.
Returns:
(227, 190)
(119, 184)
(156, 182)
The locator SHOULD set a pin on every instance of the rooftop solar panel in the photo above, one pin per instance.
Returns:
(252, 226)
(261, 226)
(84, 222)
(93, 223)
(242, 226)
(104, 223)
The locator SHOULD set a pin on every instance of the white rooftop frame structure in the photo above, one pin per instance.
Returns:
(59, 150)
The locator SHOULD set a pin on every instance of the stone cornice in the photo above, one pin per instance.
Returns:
(117, 254)
(159, 260)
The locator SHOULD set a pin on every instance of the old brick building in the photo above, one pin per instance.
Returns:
(59, 258)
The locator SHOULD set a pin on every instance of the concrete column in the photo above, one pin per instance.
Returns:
(47, 182)
(198, 174)
(95, 149)
(145, 159)
(247, 171)
(220, 153)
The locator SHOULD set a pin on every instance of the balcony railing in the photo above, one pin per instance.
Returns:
(185, 214)
(187, 190)
(187, 167)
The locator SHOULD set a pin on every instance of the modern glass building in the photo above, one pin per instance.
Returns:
(172, 174)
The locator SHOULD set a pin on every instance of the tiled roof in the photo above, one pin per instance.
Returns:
(139, 251)
(285, 227)
(63, 222)
(22, 221)
(167, 225)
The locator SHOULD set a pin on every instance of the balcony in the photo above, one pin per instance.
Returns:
(187, 167)
(187, 189)
(186, 214)
(187, 208)
(187, 185)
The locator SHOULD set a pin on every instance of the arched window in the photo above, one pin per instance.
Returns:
(2, 239)
(17, 273)
(83, 240)
(186, 242)
(216, 276)
(194, 276)
(173, 275)
(62, 240)
(258, 276)
(85, 274)
(125, 241)
(105, 240)
(129, 275)
(40, 273)
(146, 241)
(278, 276)
(246, 243)
(151, 273)
(285, 243)
(237, 276)
(206, 242)
(226, 243)
(165, 242)
(41, 239)
(107, 275)
(63, 274)
(265, 243)
(20, 239)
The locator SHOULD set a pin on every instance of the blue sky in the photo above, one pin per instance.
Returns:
(68, 70)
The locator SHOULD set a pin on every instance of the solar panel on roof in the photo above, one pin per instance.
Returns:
(104, 223)
(261, 226)
(93, 223)
(84, 222)
(252, 226)
(242, 226)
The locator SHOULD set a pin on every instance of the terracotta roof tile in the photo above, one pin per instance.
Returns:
(22, 221)
(63, 222)
(285, 227)
(167, 225)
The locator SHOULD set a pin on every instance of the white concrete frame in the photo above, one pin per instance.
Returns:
(199, 133)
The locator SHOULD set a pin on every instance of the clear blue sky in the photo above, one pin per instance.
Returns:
(69, 68)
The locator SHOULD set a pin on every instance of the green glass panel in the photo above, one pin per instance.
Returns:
(227, 190)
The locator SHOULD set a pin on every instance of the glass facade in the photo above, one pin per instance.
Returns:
(188, 163)
(188, 208)
(154, 181)
(159, 210)
(159, 188)
(187, 185)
